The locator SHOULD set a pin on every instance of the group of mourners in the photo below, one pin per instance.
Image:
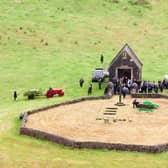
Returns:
(127, 86)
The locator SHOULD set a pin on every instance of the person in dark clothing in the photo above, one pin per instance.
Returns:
(156, 88)
(124, 91)
(165, 83)
(100, 83)
(90, 89)
(125, 80)
(15, 95)
(135, 103)
(161, 88)
(105, 90)
(102, 58)
(144, 87)
(81, 82)
(160, 84)
(150, 87)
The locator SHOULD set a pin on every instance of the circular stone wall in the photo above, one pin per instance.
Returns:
(84, 121)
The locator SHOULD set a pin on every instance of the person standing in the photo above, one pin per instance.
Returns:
(156, 88)
(15, 95)
(160, 84)
(101, 58)
(90, 90)
(105, 90)
(81, 82)
(100, 83)
(124, 91)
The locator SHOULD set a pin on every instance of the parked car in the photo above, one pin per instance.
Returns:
(98, 74)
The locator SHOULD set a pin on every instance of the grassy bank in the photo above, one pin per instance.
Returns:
(52, 44)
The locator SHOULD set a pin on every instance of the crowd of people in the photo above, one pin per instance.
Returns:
(133, 86)
(128, 86)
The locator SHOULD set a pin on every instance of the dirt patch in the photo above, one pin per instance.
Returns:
(78, 121)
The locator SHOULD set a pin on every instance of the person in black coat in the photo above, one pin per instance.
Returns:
(81, 82)
(100, 83)
(15, 95)
(90, 89)
(101, 58)
(135, 103)
(156, 88)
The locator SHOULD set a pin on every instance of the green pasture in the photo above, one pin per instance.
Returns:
(53, 43)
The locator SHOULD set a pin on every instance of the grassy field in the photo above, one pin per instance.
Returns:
(52, 43)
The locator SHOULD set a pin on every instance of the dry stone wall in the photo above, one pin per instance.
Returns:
(91, 145)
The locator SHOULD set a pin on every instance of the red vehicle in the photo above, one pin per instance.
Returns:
(51, 92)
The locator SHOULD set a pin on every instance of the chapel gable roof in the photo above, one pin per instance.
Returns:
(130, 52)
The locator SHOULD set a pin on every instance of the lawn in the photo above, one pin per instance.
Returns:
(53, 43)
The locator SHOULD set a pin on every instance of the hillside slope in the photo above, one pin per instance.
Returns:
(52, 43)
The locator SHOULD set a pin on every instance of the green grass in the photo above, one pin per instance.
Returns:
(52, 43)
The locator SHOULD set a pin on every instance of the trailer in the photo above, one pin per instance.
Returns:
(51, 92)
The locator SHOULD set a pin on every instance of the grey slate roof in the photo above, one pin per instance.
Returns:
(130, 52)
